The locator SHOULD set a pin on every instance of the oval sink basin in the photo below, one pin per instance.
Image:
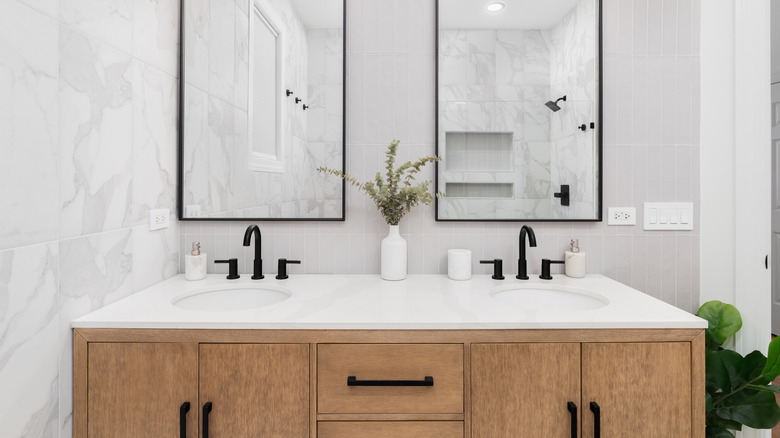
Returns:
(232, 298)
(551, 298)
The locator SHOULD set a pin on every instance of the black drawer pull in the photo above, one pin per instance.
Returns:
(183, 409)
(353, 381)
(596, 419)
(206, 411)
(572, 407)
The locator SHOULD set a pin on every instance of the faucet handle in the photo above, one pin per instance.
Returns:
(545, 275)
(498, 268)
(232, 268)
(282, 268)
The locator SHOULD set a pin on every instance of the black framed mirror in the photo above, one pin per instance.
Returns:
(518, 96)
(262, 100)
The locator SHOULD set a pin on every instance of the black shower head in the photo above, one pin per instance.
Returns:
(554, 105)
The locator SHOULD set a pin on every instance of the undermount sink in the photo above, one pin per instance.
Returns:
(542, 297)
(231, 298)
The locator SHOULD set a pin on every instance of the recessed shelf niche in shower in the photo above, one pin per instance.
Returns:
(479, 190)
(479, 151)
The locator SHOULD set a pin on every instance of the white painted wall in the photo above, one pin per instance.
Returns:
(735, 165)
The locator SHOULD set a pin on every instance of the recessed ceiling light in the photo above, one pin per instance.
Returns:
(495, 6)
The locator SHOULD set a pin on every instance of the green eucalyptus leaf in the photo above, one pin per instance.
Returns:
(767, 388)
(756, 409)
(723, 321)
(772, 368)
(718, 432)
(708, 402)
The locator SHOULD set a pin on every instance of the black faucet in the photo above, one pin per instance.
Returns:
(257, 273)
(282, 268)
(545, 275)
(232, 268)
(498, 268)
(522, 265)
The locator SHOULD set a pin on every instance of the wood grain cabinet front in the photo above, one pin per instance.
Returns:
(641, 390)
(390, 378)
(139, 390)
(390, 429)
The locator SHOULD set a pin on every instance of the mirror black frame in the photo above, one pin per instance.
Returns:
(599, 139)
(180, 125)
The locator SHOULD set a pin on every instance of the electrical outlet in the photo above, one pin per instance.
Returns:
(192, 211)
(621, 216)
(159, 219)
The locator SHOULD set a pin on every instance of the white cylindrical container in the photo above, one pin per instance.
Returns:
(195, 264)
(576, 262)
(459, 264)
(393, 256)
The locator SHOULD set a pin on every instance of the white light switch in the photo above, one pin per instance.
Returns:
(670, 216)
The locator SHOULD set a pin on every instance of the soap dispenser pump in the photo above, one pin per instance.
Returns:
(195, 264)
(576, 261)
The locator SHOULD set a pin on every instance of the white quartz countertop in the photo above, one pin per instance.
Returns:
(368, 302)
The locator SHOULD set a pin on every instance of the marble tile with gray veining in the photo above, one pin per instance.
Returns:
(29, 116)
(156, 33)
(108, 21)
(154, 141)
(96, 121)
(197, 30)
(30, 341)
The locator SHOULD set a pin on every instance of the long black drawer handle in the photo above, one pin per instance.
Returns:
(573, 410)
(596, 419)
(353, 381)
(183, 409)
(206, 410)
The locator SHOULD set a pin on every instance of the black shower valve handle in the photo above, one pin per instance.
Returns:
(583, 127)
(298, 100)
(289, 93)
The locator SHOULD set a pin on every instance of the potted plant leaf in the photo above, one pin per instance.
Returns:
(739, 389)
(394, 196)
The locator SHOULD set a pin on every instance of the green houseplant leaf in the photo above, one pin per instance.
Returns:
(756, 409)
(772, 368)
(723, 321)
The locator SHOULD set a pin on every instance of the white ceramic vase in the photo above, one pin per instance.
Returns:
(393, 255)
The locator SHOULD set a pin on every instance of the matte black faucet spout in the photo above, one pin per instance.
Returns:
(522, 268)
(257, 273)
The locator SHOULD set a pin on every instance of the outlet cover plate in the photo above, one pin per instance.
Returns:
(192, 211)
(621, 216)
(159, 219)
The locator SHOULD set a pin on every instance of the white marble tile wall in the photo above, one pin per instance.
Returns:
(651, 150)
(88, 146)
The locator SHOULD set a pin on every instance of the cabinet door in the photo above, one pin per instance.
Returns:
(523, 390)
(255, 390)
(642, 389)
(137, 390)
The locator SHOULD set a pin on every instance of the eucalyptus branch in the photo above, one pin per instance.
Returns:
(391, 201)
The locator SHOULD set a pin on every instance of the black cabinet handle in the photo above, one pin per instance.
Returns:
(206, 410)
(573, 410)
(183, 409)
(596, 419)
(353, 381)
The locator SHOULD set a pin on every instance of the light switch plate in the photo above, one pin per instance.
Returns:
(667, 216)
(159, 219)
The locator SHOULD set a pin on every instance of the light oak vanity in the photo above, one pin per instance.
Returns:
(163, 372)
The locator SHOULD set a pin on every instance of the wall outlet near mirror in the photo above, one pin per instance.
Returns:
(621, 216)
(159, 219)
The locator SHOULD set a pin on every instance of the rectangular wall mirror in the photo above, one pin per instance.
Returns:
(519, 110)
(262, 107)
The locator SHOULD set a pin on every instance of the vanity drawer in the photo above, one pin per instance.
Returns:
(387, 364)
(390, 429)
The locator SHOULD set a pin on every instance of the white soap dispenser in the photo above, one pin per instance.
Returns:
(576, 261)
(195, 264)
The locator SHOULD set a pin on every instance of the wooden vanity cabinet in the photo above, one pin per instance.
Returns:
(296, 383)
(642, 390)
(138, 390)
